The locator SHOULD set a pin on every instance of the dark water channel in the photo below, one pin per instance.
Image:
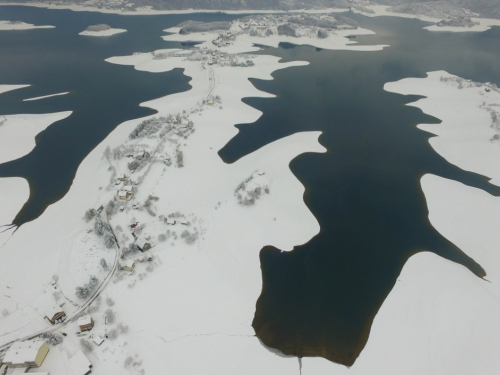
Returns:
(321, 298)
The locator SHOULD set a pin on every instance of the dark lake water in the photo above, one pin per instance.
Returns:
(321, 298)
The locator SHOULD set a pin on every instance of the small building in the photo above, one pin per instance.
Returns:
(144, 243)
(170, 221)
(129, 266)
(124, 195)
(98, 340)
(80, 364)
(183, 221)
(27, 354)
(123, 177)
(86, 323)
(55, 315)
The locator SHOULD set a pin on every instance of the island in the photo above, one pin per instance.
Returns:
(101, 30)
(19, 25)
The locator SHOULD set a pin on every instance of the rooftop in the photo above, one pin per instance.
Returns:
(23, 351)
(80, 364)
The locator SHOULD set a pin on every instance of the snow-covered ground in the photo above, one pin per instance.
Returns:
(18, 132)
(103, 33)
(18, 25)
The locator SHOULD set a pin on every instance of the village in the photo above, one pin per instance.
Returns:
(119, 245)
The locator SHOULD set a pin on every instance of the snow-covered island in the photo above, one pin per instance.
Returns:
(19, 25)
(101, 30)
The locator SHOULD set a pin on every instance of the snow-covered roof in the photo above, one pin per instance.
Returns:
(80, 364)
(23, 351)
(142, 241)
(171, 221)
(127, 188)
(54, 310)
(130, 263)
(122, 193)
(84, 320)
(98, 340)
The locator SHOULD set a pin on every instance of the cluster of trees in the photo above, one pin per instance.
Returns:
(189, 237)
(99, 27)
(148, 204)
(329, 22)
(86, 345)
(249, 197)
(120, 328)
(52, 338)
(89, 215)
(110, 316)
(104, 230)
(148, 127)
(138, 163)
(104, 264)
(188, 27)
(86, 290)
(131, 248)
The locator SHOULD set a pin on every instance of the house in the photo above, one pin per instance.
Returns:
(122, 178)
(27, 354)
(129, 266)
(86, 323)
(183, 221)
(144, 243)
(55, 315)
(98, 340)
(124, 195)
(80, 364)
(170, 221)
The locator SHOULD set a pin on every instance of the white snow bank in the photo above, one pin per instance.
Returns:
(45, 96)
(9, 25)
(6, 88)
(17, 132)
(103, 33)
(466, 136)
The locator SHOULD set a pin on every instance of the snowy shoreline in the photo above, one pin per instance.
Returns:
(484, 24)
